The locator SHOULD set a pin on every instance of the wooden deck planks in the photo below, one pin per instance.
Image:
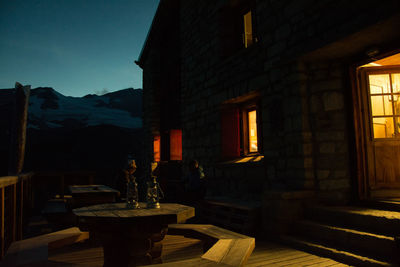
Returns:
(177, 248)
(271, 254)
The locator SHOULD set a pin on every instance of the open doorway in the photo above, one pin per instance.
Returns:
(379, 95)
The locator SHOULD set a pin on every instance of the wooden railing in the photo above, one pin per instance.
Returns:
(16, 201)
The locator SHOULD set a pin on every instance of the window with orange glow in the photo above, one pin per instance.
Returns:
(252, 127)
(240, 134)
(384, 95)
(175, 144)
(156, 148)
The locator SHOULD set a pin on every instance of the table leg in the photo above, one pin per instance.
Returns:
(126, 251)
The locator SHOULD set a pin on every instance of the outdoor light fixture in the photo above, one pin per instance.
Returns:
(372, 52)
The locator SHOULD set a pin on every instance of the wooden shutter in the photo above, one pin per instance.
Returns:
(175, 144)
(156, 148)
(230, 133)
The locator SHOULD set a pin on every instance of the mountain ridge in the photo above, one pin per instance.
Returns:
(50, 109)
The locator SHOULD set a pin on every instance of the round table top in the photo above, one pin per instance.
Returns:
(169, 212)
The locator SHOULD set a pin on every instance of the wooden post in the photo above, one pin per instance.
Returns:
(18, 134)
(14, 228)
(62, 185)
(21, 210)
(91, 178)
(2, 222)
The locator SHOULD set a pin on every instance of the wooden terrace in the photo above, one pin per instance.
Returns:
(179, 248)
(188, 244)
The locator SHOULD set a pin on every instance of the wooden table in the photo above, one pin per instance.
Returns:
(131, 236)
(85, 195)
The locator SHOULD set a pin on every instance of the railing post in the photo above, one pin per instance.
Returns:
(62, 185)
(91, 178)
(14, 228)
(21, 210)
(2, 222)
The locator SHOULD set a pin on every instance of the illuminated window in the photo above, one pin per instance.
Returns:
(384, 96)
(252, 128)
(168, 146)
(156, 148)
(248, 29)
(240, 131)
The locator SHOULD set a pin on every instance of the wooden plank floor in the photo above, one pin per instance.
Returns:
(272, 254)
(180, 248)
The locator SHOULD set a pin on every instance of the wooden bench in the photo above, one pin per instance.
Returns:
(226, 248)
(35, 249)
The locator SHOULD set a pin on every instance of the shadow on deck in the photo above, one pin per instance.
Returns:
(177, 248)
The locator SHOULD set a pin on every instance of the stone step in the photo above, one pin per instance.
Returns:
(358, 242)
(375, 221)
(333, 253)
(383, 204)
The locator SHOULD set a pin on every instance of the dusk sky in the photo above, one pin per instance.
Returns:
(78, 47)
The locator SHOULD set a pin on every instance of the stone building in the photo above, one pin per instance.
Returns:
(279, 101)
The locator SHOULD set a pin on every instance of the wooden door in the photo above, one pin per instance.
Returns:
(381, 90)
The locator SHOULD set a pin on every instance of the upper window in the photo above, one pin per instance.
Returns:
(237, 27)
(240, 130)
(247, 29)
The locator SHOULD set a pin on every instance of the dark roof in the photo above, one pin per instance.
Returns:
(162, 16)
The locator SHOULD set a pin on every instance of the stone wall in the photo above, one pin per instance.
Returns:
(305, 117)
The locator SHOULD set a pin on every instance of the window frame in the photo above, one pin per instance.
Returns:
(235, 128)
(244, 110)
(373, 71)
(231, 28)
(242, 13)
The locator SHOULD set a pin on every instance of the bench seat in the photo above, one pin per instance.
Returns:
(36, 249)
(225, 248)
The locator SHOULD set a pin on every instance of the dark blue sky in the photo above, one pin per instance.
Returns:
(78, 47)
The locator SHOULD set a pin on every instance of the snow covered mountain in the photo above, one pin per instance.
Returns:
(50, 109)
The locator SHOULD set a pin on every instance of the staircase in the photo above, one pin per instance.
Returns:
(355, 235)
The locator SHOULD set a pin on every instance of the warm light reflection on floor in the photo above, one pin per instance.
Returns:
(247, 159)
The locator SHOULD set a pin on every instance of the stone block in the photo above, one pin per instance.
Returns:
(327, 148)
(323, 174)
(336, 184)
(326, 84)
(316, 104)
(340, 174)
(258, 82)
(308, 162)
(307, 149)
(330, 136)
(333, 101)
